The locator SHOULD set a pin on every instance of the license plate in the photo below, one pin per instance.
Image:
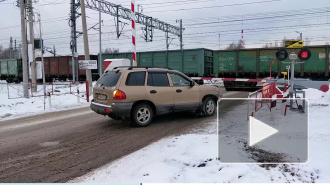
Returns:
(101, 97)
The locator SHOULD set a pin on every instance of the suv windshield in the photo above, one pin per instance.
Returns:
(109, 79)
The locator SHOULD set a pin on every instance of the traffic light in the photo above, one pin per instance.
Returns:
(281, 55)
(304, 54)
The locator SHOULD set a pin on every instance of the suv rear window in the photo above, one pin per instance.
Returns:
(109, 79)
(158, 79)
(136, 79)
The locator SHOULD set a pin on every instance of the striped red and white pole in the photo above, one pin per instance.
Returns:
(133, 33)
(229, 79)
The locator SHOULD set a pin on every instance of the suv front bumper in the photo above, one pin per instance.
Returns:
(117, 110)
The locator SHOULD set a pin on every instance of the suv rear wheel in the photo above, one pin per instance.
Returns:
(209, 106)
(142, 115)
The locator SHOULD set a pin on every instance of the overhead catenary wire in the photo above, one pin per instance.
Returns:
(192, 33)
(209, 7)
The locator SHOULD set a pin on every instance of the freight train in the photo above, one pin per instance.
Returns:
(56, 68)
(242, 63)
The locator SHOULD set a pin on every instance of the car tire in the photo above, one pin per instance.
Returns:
(142, 115)
(209, 106)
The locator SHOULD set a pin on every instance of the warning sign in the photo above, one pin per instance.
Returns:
(294, 43)
(87, 64)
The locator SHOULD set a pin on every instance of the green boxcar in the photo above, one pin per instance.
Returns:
(267, 57)
(175, 60)
(145, 59)
(255, 63)
(247, 63)
(225, 63)
(208, 63)
(158, 59)
(242, 63)
(195, 62)
(3, 69)
(10, 69)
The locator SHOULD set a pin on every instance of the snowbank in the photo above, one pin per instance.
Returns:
(192, 158)
(12, 105)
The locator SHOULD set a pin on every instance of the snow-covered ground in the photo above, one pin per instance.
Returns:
(193, 158)
(13, 105)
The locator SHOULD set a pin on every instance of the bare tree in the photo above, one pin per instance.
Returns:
(269, 45)
(239, 45)
(7, 53)
(111, 50)
(231, 46)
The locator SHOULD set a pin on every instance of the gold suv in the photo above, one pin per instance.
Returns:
(140, 93)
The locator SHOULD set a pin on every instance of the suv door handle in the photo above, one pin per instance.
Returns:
(178, 90)
(153, 92)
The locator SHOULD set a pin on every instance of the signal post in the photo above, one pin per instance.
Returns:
(304, 54)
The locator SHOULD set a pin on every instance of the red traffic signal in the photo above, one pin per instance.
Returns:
(281, 55)
(304, 54)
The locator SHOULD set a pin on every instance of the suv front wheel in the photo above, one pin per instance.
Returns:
(142, 115)
(209, 106)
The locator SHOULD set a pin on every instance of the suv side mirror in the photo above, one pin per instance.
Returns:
(192, 83)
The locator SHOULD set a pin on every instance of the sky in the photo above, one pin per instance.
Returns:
(212, 24)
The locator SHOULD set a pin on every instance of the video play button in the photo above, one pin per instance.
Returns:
(260, 139)
(259, 131)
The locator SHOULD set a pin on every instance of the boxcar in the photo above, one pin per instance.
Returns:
(193, 62)
(60, 68)
(11, 70)
(257, 63)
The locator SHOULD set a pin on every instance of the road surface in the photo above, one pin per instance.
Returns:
(60, 146)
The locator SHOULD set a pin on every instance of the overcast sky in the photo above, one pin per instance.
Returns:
(262, 21)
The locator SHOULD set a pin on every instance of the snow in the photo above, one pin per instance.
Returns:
(13, 105)
(193, 158)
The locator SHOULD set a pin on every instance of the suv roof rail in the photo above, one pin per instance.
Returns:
(121, 67)
(147, 67)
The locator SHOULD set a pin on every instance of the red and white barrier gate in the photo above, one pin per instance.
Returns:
(267, 95)
(228, 79)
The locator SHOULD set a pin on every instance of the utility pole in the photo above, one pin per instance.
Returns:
(54, 50)
(15, 50)
(86, 47)
(73, 43)
(167, 44)
(31, 31)
(24, 49)
(181, 33)
(10, 48)
(42, 61)
(100, 38)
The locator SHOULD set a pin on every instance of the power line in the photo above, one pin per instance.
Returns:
(253, 19)
(220, 6)
(256, 15)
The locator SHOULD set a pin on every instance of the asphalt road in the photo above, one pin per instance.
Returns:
(60, 146)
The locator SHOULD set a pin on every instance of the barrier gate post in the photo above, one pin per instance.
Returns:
(87, 91)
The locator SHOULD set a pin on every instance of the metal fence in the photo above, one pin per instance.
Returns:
(79, 89)
(13, 90)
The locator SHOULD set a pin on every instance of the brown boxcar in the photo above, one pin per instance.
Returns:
(60, 68)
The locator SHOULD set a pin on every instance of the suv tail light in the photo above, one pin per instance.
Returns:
(119, 95)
